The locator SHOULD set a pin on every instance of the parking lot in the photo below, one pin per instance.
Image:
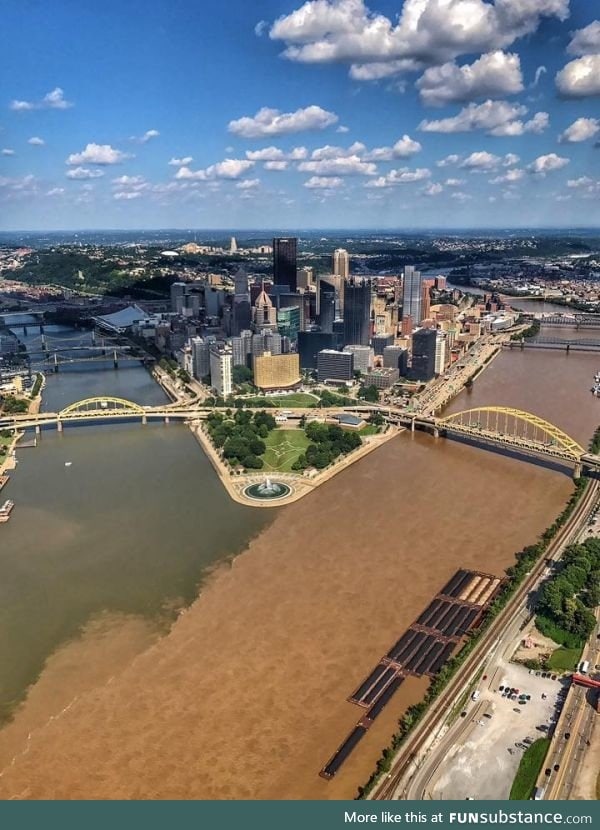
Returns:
(496, 732)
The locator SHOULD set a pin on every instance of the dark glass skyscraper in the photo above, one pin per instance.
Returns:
(357, 311)
(423, 354)
(326, 306)
(284, 261)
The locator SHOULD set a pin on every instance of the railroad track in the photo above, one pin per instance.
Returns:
(433, 720)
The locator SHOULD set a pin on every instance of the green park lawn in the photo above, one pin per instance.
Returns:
(291, 401)
(284, 446)
(564, 659)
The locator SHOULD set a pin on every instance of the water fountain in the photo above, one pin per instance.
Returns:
(267, 489)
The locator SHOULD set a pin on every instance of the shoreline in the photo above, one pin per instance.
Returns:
(301, 485)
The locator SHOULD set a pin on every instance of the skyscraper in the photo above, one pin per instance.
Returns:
(341, 263)
(284, 261)
(357, 311)
(412, 294)
(326, 305)
(242, 310)
(426, 285)
(440, 352)
(200, 357)
(264, 315)
(221, 366)
(424, 345)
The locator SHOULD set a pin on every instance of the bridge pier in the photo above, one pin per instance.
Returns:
(55, 362)
(412, 424)
(436, 432)
(115, 360)
(166, 419)
(144, 419)
(577, 471)
(568, 348)
(38, 429)
(59, 425)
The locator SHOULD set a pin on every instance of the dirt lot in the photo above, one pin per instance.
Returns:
(484, 763)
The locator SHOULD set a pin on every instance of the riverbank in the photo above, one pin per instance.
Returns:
(246, 696)
(300, 485)
(9, 461)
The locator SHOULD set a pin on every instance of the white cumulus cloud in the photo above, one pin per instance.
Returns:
(586, 41)
(400, 176)
(548, 163)
(127, 194)
(580, 78)
(226, 169)
(248, 184)
(510, 177)
(429, 31)
(481, 160)
(493, 74)
(7, 151)
(581, 129)
(182, 162)
(275, 165)
(98, 154)
(498, 118)
(448, 161)
(147, 136)
(55, 99)
(323, 182)
(351, 165)
(84, 173)
(36, 141)
(269, 122)
(277, 154)
(432, 189)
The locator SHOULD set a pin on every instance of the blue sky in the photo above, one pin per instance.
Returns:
(283, 114)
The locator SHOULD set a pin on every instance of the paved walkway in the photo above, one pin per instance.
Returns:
(301, 484)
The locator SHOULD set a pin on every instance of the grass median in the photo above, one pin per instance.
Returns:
(529, 769)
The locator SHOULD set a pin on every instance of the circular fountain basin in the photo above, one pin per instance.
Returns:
(267, 491)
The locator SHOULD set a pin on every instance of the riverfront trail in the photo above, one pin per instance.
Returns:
(246, 696)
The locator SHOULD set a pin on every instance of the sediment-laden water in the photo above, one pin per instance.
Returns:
(246, 696)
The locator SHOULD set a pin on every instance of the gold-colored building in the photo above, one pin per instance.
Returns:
(276, 371)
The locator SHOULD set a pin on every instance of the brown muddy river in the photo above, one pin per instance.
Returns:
(246, 696)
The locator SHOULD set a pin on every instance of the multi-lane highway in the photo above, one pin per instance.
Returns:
(571, 737)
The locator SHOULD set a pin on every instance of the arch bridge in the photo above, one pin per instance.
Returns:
(514, 429)
(103, 408)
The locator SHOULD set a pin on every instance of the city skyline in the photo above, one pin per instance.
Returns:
(334, 113)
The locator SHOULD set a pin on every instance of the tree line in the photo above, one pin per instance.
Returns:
(329, 441)
(241, 436)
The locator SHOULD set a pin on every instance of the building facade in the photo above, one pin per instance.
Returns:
(424, 344)
(363, 357)
(412, 295)
(341, 263)
(221, 369)
(284, 261)
(357, 311)
(280, 371)
(334, 365)
(310, 343)
(264, 314)
(200, 357)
